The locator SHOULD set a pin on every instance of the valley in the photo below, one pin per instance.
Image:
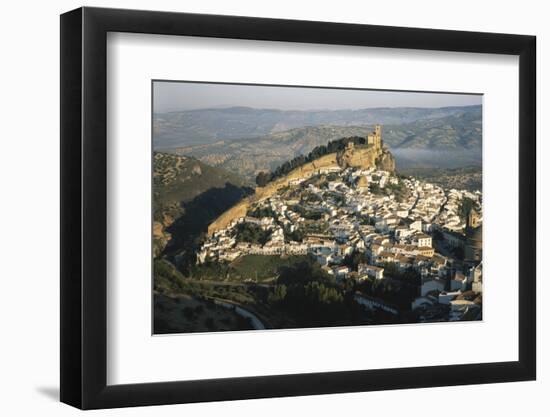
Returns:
(333, 237)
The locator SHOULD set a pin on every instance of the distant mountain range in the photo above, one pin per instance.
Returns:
(249, 156)
(451, 140)
(199, 127)
(459, 131)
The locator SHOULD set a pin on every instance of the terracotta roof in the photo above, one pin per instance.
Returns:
(374, 268)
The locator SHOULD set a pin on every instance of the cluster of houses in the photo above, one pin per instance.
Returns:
(350, 218)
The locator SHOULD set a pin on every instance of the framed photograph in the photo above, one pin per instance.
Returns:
(258, 208)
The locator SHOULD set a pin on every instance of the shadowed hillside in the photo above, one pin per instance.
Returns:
(188, 230)
(183, 187)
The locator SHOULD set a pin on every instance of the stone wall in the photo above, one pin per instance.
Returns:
(235, 212)
(240, 209)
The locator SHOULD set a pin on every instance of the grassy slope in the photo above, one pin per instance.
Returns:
(263, 267)
(248, 267)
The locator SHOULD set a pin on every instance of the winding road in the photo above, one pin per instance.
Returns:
(254, 320)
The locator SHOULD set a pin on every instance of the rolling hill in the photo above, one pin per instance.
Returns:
(195, 127)
(461, 131)
(187, 195)
(247, 157)
(453, 140)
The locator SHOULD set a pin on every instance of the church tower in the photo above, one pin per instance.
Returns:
(473, 219)
(378, 136)
(375, 138)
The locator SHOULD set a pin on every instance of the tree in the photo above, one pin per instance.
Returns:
(260, 212)
(374, 188)
(458, 252)
(263, 178)
(278, 295)
(317, 152)
(297, 235)
(391, 269)
(354, 259)
(301, 273)
(251, 233)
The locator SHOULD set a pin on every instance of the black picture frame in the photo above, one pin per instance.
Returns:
(84, 207)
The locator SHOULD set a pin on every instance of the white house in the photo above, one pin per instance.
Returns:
(423, 240)
(341, 272)
(416, 225)
(371, 271)
(402, 232)
(402, 213)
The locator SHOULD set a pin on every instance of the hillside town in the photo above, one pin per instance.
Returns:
(397, 225)
(346, 211)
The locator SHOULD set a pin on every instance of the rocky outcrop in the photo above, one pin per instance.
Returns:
(358, 157)
(161, 236)
(386, 161)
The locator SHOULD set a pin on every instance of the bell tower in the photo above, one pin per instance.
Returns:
(378, 136)
(473, 219)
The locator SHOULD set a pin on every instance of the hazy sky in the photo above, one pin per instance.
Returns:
(170, 96)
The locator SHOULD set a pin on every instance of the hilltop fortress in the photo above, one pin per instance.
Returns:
(372, 155)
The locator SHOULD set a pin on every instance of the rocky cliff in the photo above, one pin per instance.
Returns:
(161, 237)
(385, 161)
(356, 157)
